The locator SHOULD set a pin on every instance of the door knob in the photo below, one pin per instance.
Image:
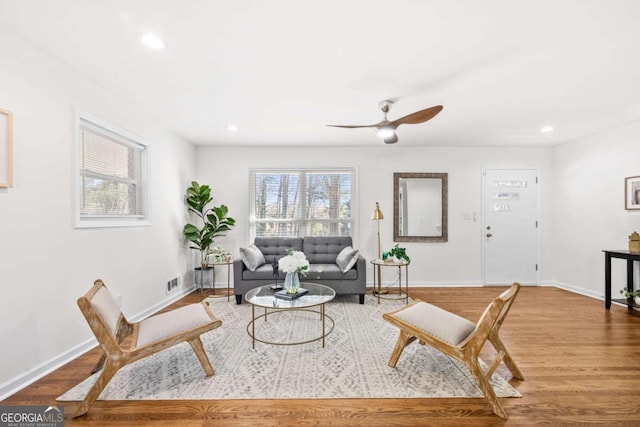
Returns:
(489, 234)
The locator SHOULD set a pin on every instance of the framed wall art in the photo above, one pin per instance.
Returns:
(6, 148)
(632, 192)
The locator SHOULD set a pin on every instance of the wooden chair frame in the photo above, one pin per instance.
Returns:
(468, 351)
(116, 355)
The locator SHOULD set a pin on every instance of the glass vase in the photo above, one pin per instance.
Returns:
(292, 282)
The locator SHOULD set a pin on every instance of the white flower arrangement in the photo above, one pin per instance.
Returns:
(293, 262)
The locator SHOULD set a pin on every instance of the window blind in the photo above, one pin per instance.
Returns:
(301, 202)
(111, 175)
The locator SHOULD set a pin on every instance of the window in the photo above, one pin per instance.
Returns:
(302, 202)
(111, 176)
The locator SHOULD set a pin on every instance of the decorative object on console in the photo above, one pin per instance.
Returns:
(634, 295)
(213, 222)
(377, 216)
(634, 243)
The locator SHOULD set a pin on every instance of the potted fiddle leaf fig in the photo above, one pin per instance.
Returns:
(212, 222)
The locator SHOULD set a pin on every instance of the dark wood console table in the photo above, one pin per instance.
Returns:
(630, 257)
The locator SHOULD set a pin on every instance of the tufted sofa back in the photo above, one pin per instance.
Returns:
(324, 250)
(277, 247)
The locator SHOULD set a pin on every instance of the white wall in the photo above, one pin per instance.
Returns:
(588, 208)
(46, 264)
(457, 262)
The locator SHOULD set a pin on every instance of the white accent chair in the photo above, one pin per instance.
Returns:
(124, 342)
(458, 338)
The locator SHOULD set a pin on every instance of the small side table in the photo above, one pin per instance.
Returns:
(377, 279)
(228, 264)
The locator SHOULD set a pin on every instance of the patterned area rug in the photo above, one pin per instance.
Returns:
(353, 363)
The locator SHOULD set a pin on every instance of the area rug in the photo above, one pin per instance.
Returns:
(353, 363)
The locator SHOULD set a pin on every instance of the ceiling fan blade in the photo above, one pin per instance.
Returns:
(354, 126)
(419, 116)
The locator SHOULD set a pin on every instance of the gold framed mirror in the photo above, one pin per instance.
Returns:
(420, 207)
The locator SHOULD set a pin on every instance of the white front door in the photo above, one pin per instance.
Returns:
(510, 226)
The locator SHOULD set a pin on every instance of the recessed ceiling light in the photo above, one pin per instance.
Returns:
(152, 41)
(232, 128)
(546, 129)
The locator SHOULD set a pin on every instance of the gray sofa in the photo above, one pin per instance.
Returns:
(321, 252)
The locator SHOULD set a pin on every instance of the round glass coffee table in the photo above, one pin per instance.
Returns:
(265, 297)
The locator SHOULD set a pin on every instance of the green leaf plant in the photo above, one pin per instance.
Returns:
(399, 253)
(213, 221)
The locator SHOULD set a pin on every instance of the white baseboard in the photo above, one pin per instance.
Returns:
(414, 284)
(575, 290)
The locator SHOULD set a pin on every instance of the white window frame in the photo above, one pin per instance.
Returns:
(123, 137)
(253, 221)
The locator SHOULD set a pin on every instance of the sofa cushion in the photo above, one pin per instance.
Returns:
(275, 248)
(324, 250)
(252, 257)
(328, 272)
(347, 258)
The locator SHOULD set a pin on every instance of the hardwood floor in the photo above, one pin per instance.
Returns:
(581, 365)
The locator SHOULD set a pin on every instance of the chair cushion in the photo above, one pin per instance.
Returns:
(107, 308)
(252, 257)
(347, 258)
(163, 325)
(435, 321)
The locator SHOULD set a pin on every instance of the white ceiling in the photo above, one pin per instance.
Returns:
(281, 70)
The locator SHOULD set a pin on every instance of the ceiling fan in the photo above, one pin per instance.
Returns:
(387, 129)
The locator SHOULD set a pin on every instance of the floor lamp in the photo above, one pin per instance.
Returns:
(377, 215)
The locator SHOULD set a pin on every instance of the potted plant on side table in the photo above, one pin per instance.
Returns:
(400, 254)
(213, 222)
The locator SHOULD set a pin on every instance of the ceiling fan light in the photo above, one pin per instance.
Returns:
(386, 133)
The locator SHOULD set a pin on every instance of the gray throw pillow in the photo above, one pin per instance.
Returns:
(252, 257)
(347, 258)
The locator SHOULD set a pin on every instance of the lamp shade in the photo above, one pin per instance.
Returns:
(377, 213)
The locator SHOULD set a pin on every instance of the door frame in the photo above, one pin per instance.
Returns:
(538, 228)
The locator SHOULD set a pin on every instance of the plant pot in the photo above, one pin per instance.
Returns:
(207, 277)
